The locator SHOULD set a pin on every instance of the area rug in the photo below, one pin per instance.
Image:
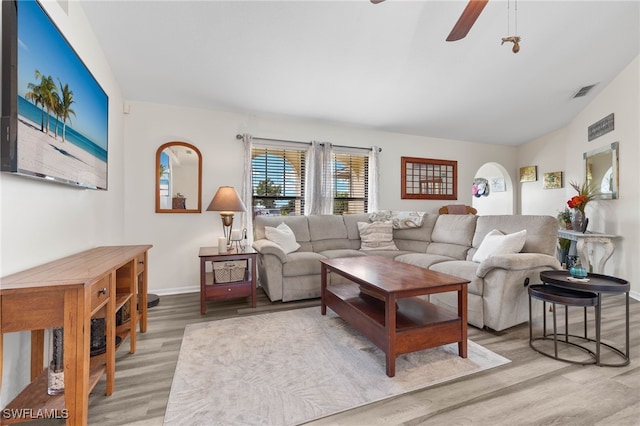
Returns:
(291, 367)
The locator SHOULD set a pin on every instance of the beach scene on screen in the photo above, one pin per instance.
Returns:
(62, 110)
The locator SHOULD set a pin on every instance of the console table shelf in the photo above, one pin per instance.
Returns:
(68, 293)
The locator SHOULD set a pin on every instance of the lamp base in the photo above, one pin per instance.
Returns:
(227, 224)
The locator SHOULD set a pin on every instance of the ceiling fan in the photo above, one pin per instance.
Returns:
(466, 20)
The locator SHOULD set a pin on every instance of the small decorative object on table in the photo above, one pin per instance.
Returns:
(578, 271)
(578, 203)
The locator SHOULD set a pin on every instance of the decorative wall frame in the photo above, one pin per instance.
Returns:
(552, 180)
(428, 179)
(497, 184)
(529, 174)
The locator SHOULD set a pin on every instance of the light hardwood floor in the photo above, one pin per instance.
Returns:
(531, 390)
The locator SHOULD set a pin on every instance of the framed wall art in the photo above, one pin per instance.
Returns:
(529, 174)
(497, 184)
(552, 180)
(428, 179)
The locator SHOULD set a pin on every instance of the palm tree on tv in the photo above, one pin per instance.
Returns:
(63, 107)
(35, 95)
(49, 94)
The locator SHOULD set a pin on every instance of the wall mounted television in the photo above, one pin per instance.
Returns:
(54, 113)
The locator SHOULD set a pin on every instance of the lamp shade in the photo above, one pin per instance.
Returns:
(226, 200)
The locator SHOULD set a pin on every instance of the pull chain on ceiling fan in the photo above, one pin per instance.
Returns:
(515, 39)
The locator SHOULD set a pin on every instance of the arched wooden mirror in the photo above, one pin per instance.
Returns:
(178, 178)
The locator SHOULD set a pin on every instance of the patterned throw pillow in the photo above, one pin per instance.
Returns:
(376, 236)
(400, 219)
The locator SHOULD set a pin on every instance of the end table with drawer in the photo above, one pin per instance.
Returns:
(228, 287)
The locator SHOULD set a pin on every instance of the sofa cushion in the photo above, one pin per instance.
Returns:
(376, 236)
(495, 243)
(423, 260)
(463, 269)
(328, 232)
(302, 263)
(542, 231)
(333, 254)
(283, 236)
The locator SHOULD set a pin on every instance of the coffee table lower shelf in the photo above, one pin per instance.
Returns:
(419, 323)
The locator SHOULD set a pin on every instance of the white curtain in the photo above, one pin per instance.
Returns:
(319, 179)
(247, 189)
(374, 180)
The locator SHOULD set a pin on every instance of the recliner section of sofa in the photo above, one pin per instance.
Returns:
(497, 297)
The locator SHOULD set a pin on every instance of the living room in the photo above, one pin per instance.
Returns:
(43, 222)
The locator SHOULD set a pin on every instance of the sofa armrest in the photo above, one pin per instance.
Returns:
(265, 246)
(517, 262)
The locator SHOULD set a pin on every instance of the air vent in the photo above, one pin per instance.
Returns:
(583, 91)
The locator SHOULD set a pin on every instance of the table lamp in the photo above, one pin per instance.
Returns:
(226, 201)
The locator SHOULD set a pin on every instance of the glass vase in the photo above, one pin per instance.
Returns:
(578, 220)
(55, 385)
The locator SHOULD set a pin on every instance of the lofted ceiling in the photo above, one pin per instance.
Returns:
(381, 66)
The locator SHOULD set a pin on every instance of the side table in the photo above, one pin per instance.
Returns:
(597, 284)
(210, 290)
(582, 241)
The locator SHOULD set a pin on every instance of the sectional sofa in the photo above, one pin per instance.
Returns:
(497, 293)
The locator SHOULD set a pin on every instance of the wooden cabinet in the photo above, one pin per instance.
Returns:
(67, 293)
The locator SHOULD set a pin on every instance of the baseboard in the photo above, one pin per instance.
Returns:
(175, 290)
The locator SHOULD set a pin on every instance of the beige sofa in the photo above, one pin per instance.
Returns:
(445, 243)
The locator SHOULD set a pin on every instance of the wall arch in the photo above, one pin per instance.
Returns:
(497, 202)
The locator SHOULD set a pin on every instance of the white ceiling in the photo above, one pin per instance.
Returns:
(384, 66)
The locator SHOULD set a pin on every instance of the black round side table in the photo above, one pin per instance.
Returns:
(555, 283)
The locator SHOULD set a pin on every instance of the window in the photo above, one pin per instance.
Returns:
(351, 183)
(278, 181)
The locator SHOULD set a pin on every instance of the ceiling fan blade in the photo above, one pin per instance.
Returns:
(376, 1)
(467, 19)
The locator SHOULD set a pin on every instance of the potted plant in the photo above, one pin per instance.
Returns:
(563, 250)
(564, 217)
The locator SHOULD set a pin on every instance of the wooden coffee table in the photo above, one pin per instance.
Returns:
(381, 303)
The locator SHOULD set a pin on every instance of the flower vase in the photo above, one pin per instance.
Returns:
(578, 221)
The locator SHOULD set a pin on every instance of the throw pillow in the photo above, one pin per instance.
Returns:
(495, 243)
(283, 236)
(376, 236)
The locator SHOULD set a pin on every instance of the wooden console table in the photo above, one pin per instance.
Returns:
(581, 241)
(67, 293)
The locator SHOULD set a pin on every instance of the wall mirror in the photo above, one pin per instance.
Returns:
(428, 179)
(601, 171)
(178, 178)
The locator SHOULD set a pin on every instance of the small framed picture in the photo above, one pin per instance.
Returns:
(529, 174)
(552, 180)
(497, 184)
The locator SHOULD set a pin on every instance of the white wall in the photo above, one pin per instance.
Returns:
(563, 150)
(174, 262)
(42, 221)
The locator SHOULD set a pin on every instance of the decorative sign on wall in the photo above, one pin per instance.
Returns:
(529, 174)
(601, 127)
(552, 180)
